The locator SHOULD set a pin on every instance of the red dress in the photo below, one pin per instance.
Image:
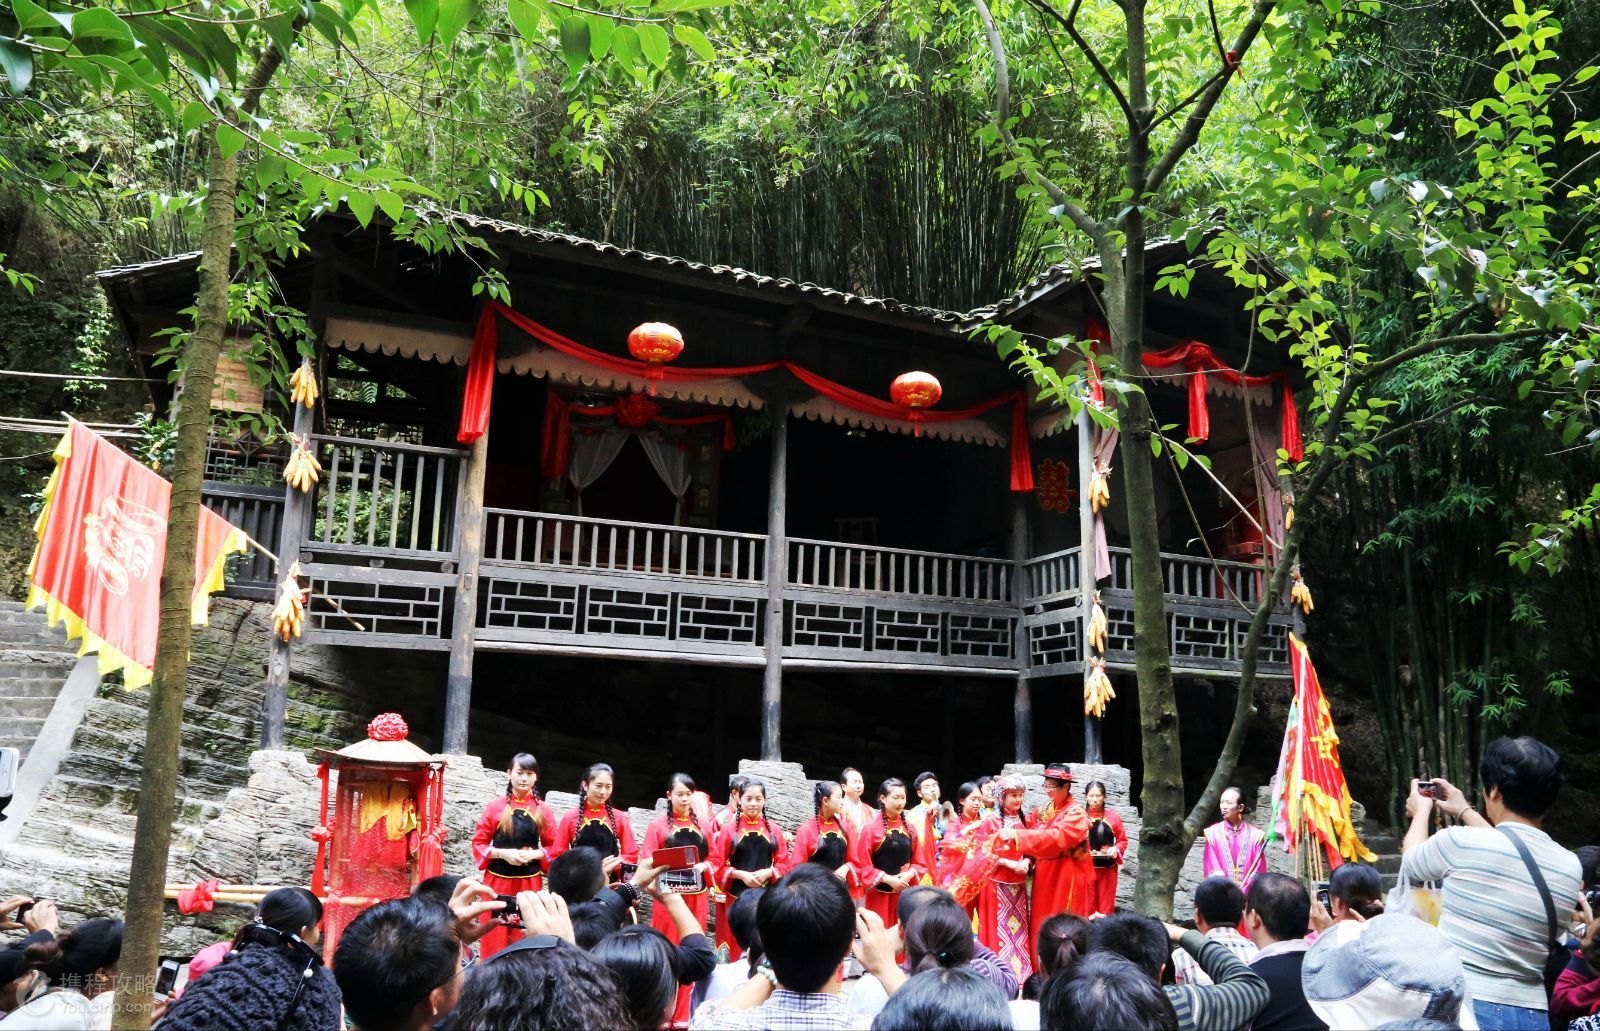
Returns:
(601, 828)
(1062, 874)
(830, 843)
(1103, 899)
(890, 847)
(960, 835)
(747, 845)
(1004, 923)
(531, 824)
(668, 831)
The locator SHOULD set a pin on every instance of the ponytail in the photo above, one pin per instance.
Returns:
(1359, 887)
(93, 945)
(1063, 938)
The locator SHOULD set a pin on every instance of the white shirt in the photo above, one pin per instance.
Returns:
(1186, 970)
(63, 1011)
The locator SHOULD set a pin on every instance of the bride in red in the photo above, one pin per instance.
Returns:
(509, 843)
(962, 835)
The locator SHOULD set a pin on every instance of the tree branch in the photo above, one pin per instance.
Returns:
(1069, 22)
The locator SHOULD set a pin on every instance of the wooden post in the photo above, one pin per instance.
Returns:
(464, 623)
(1022, 705)
(777, 572)
(1086, 570)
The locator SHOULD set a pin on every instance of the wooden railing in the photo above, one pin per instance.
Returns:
(376, 495)
(578, 542)
(1053, 577)
(258, 511)
(828, 565)
(1197, 579)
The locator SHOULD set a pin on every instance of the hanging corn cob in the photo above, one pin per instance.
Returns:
(1100, 488)
(1288, 512)
(302, 470)
(1300, 594)
(1097, 690)
(1097, 626)
(303, 385)
(288, 616)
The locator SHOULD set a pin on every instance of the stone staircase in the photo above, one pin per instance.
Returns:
(34, 663)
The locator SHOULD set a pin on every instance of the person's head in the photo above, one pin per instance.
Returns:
(1012, 793)
(1105, 991)
(989, 788)
(291, 911)
(827, 798)
(1277, 909)
(969, 799)
(1520, 776)
(892, 796)
(1231, 805)
(438, 889)
(736, 785)
(926, 786)
(642, 959)
(597, 784)
(522, 776)
(938, 934)
(806, 922)
(540, 983)
(680, 794)
(852, 782)
(1094, 796)
(1058, 784)
(945, 999)
(397, 965)
(1140, 939)
(578, 874)
(85, 958)
(1589, 865)
(1355, 888)
(753, 800)
(914, 898)
(1218, 902)
(1392, 967)
(20, 983)
(594, 921)
(742, 924)
(1063, 938)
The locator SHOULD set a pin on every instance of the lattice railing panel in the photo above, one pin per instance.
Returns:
(528, 605)
(981, 636)
(906, 631)
(719, 620)
(1056, 642)
(826, 625)
(412, 610)
(1198, 637)
(625, 613)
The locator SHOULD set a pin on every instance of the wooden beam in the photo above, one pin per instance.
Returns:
(1022, 705)
(354, 271)
(777, 572)
(1086, 570)
(463, 624)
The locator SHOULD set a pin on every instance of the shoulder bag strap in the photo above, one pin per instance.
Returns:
(1538, 882)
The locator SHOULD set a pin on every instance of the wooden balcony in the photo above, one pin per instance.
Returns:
(383, 542)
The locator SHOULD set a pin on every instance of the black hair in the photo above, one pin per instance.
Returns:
(844, 774)
(92, 945)
(583, 796)
(1063, 938)
(736, 783)
(985, 779)
(914, 898)
(938, 935)
(578, 874)
(820, 793)
(806, 922)
(1589, 864)
(1236, 790)
(1359, 887)
(440, 888)
(1527, 772)
(593, 922)
(1103, 991)
(888, 784)
(536, 989)
(289, 910)
(642, 959)
(1104, 794)
(1033, 987)
(1282, 904)
(1219, 901)
(766, 821)
(680, 778)
(957, 999)
(392, 957)
(1140, 939)
(742, 924)
(522, 761)
(967, 787)
(925, 775)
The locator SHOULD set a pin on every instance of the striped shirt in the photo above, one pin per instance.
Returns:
(1491, 911)
(1186, 971)
(1236, 998)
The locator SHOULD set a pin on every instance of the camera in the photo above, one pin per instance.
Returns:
(1322, 894)
(1593, 898)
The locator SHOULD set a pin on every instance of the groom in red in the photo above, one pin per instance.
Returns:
(1063, 873)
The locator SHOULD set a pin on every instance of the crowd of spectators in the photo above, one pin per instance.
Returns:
(1516, 946)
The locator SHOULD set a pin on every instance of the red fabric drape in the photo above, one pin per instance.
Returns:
(480, 379)
(1097, 389)
(555, 441)
(1021, 456)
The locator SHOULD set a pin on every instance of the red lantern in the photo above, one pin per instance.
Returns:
(915, 391)
(655, 344)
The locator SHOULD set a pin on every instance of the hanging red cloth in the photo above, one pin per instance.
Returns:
(1097, 388)
(480, 379)
(555, 441)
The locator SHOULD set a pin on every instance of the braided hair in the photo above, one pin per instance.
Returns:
(766, 821)
(820, 794)
(583, 796)
(523, 761)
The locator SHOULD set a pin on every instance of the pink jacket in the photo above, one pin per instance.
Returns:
(1576, 994)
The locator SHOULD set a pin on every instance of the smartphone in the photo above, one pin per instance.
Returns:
(21, 911)
(511, 916)
(679, 858)
(1322, 894)
(167, 977)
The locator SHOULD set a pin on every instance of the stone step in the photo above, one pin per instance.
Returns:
(33, 665)
(113, 805)
(1381, 843)
(26, 727)
(35, 706)
(33, 687)
(1388, 864)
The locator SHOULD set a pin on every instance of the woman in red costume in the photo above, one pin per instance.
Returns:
(1108, 844)
(964, 832)
(595, 824)
(749, 853)
(891, 854)
(675, 828)
(1058, 845)
(827, 838)
(509, 843)
(1003, 921)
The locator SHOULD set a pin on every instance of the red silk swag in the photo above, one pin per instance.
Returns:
(632, 411)
(1200, 361)
(480, 386)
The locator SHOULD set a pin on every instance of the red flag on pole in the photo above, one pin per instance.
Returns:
(102, 541)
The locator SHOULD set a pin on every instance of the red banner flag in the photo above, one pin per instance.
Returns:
(102, 540)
